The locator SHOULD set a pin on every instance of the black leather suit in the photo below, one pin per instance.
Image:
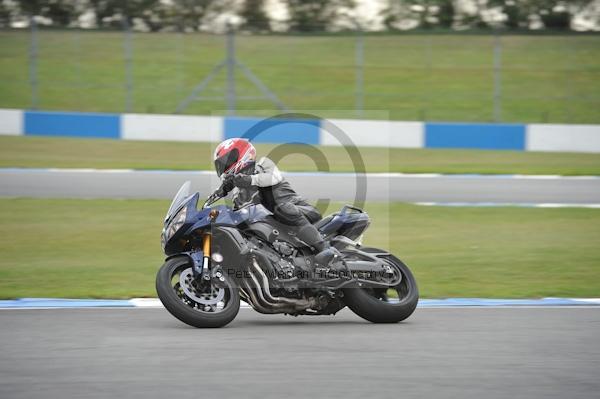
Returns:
(271, 189)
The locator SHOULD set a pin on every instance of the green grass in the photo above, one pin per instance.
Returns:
(110, 248)
(553, 78)
(42, 152)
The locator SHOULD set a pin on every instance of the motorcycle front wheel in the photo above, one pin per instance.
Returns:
(194, 302)
(380, 305)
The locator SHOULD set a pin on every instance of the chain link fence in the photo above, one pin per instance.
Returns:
(434, 77)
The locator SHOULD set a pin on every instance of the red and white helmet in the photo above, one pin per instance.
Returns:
(233, 155)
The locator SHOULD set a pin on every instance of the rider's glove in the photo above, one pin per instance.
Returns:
(242, 180)
(225, 188)
(227, 185)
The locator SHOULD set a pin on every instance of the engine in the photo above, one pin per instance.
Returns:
(283, 248)
(284, 266)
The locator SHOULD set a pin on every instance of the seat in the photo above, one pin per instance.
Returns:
(325, 226)
(322, 222)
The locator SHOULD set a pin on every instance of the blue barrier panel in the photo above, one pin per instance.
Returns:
(305, 131)
(72, 124)
(483, 136)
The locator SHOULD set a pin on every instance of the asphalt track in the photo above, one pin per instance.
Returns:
(437, 353)
(65, 183)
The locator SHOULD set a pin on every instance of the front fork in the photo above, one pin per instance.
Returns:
(206, 241)
(201, 259)
(202, 266)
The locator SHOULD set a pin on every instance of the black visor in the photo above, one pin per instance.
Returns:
(224, 162)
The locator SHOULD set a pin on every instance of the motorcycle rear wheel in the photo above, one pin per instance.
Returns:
(208, 308)
(376, 306)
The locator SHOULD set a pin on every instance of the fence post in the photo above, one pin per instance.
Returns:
(230, 64)
(568, 59)
(33, 58)
(497, 78)
(128, 50)
(180, 63)
(429, 80)
(359, 61)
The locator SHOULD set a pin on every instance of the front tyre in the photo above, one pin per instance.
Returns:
(193, 302)
(381, 305)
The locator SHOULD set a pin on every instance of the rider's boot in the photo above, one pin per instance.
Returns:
(326, 256)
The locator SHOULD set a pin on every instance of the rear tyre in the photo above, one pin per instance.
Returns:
(377, 305)
(202, 306)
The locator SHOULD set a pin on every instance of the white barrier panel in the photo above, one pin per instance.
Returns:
(374, 133)
(171, 127)
(11, 122)
(565, 138)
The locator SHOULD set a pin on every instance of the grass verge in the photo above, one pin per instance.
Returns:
(44, 152)
(110, 248)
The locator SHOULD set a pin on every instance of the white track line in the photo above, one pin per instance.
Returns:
(508, 204)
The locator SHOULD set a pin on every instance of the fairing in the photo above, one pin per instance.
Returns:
(349, 222)
(182, 196)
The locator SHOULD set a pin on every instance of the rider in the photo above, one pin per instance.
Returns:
(262, 182)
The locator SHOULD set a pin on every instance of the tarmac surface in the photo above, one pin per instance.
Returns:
(65, 183)
(437, 353)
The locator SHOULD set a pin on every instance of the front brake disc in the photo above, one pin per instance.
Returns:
(212, 297)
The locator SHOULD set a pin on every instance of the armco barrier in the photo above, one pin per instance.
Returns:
(11, 122)
(368, 133)
(305, 131)
(72, 124)
(171, 127)
(481, 136)
(574, 138)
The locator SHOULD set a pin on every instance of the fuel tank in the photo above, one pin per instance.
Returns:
(271, 230)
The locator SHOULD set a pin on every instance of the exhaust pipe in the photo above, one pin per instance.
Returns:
(254, 301)
(299, 304)
(263, 301)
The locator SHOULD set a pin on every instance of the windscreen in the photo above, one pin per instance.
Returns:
(181, 195)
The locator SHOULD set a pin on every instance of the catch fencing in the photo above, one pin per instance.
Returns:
(486, 77)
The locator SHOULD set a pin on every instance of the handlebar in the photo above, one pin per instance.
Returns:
(214, 197)
(220, 192)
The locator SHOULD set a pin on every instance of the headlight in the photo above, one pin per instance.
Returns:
(171, 228)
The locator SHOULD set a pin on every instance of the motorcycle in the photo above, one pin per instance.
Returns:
(217, 255)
